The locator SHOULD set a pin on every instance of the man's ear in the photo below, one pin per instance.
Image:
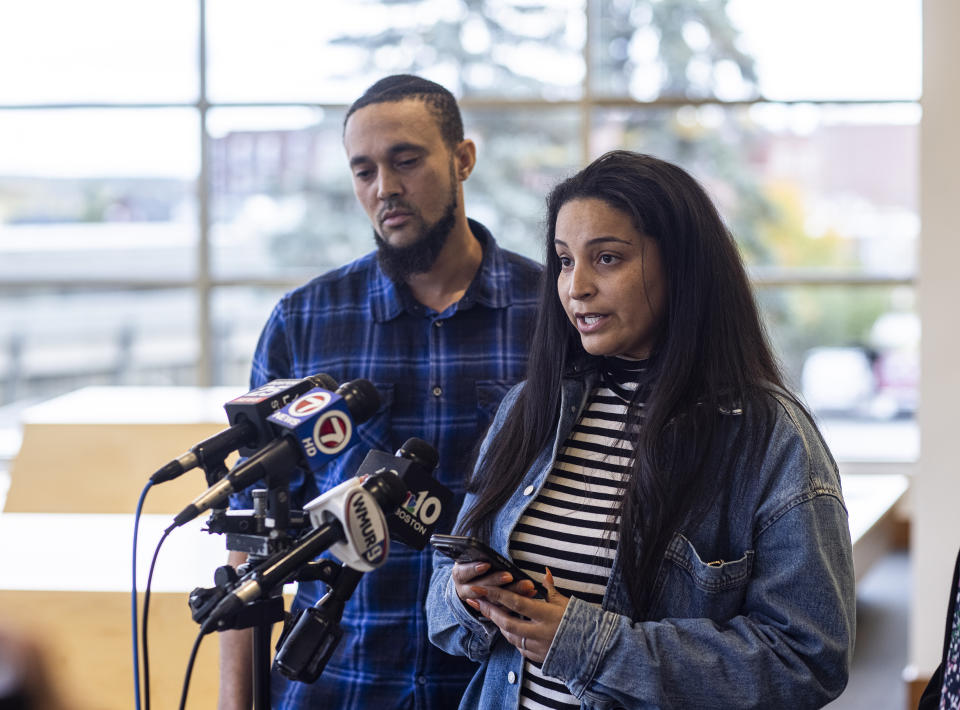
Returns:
(465, 157)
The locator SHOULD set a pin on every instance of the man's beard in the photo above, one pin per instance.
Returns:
(399, 263)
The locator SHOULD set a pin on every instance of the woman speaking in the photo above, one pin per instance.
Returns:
(653, 472)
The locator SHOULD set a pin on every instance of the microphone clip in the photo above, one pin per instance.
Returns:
(204, 600)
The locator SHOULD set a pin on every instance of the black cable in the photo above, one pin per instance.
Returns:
(186, 677)
(133, 596)
(146, 607)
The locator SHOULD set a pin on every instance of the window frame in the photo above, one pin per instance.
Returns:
(205, 283)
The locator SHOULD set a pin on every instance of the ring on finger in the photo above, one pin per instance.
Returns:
(523, 643)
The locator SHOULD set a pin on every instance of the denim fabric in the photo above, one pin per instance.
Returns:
(441, 377)
(752, 607)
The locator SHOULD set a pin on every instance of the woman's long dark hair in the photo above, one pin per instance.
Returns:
(711, 353)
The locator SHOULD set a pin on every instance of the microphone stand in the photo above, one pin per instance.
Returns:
(256, 600)
(262, 613)
(250, 534)
(342, 581)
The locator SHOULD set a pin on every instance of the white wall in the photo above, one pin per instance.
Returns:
(936, 493)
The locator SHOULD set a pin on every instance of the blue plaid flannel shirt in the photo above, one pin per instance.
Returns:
(440, 378)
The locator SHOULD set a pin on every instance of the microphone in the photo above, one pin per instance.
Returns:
(349, 520)
(314, 429)
(254, 408)
(249, 429)
(308, 643)
(426, 500)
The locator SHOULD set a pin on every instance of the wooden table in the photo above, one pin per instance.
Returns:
(872, 501)
(93, 450)
(67, 579)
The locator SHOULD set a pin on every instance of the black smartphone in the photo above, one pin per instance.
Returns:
(464, 549)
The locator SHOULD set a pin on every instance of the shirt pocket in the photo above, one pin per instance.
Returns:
(689, 587)
(375, 433)
(489, 395)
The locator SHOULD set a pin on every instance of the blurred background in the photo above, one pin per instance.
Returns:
(168, 170)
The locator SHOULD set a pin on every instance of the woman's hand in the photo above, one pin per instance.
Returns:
(531, 635)
(467, 577)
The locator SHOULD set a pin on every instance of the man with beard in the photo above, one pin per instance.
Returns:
(438, 319)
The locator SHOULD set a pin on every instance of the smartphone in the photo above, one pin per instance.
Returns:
(464, 549)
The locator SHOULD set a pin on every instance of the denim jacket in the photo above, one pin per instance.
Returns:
(752, 607)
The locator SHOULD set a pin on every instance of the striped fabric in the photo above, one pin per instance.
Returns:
(571, 526)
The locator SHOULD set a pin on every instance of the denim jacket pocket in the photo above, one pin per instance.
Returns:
(689, 587)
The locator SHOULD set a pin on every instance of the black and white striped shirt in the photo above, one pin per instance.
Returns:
(571, 526)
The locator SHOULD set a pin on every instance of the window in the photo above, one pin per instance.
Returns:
(155, 199)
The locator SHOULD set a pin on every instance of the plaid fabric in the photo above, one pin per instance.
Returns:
(441, 378)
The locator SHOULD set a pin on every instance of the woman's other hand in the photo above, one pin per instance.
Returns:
(533, 630)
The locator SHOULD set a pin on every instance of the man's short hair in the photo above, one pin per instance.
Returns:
(438, 100)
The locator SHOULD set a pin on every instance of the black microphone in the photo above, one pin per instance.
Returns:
(249, 428)
(253, 408)
(311, 638)
(313, 430)
(427, 499)
(350, 516)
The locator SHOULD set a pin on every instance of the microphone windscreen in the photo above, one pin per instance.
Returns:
(361, 397)
(322, 379)
(420, 451)
(388, 490)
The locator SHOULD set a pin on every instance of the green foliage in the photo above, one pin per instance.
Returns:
(787, 239)
(504, 50)
(692, 38)
(483, 65)
(805, 317)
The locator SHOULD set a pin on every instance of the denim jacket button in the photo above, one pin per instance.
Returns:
(528, 490)
(511, 677)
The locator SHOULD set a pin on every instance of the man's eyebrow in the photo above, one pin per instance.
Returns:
(391, 151)
(404, 147)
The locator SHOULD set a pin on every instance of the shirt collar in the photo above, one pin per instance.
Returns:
(490, 286)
